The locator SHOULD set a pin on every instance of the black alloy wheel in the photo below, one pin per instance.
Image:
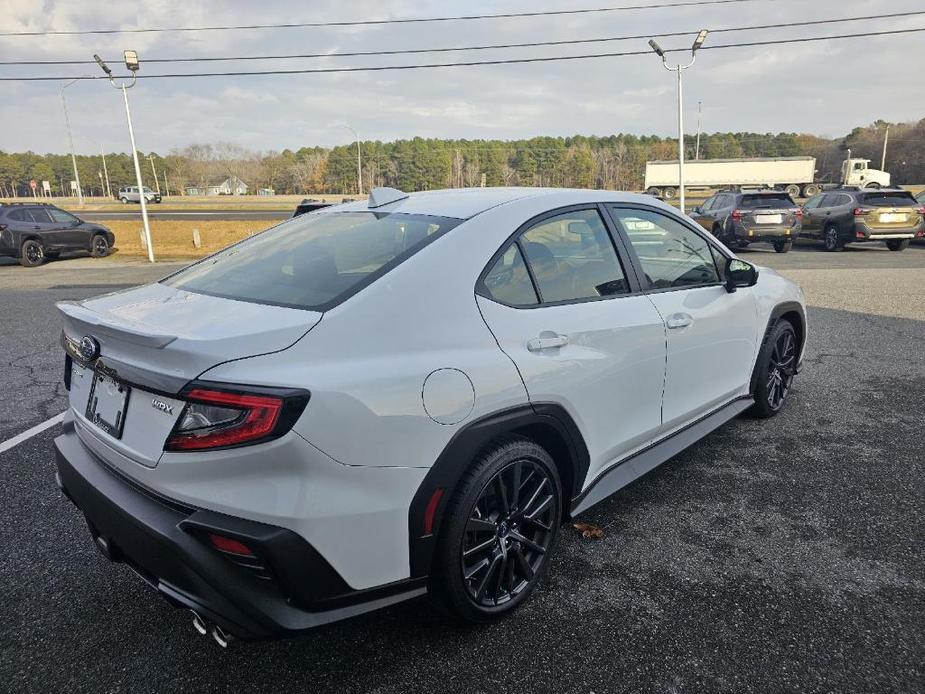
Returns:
(498, 531)
(508, 534)
(100, 247)
(831, 240)
(32, 253)
(776, 367)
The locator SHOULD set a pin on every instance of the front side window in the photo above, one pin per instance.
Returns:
(571, 257)
(314, 260)
(813, 202)
(671, 255)
(61, 216)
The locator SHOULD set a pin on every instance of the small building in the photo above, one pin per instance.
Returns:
(266, 191)
(230, 186)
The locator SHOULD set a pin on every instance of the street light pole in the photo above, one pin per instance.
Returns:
(131, 62)
(699, 127)
(105, 171)
(67, 122)
(679, 68)
(359, 160)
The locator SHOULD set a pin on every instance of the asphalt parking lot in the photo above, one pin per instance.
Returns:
(775, 556)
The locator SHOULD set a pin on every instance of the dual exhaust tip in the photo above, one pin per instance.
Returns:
(219, 635)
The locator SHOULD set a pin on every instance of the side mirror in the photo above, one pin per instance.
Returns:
(740, 274)
(696, 210)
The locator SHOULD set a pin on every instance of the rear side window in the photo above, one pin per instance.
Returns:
(313, 261)
(508, 280)
(672, 256)
(893, 199)
(572, 257)
(771, 202)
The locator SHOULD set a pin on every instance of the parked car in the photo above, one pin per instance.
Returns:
(406, 395)
(310, 205)
(739, 219)
(34, 232)
(130, 194)
(851, 214)
(920, 197)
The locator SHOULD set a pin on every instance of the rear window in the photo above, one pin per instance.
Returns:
(772, 202)
(896, 199)
(312, 261)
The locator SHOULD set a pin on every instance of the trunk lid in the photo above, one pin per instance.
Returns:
(150, 341)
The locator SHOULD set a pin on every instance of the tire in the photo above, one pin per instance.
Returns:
(32, 253)
(123, 200)
(831, 239)
(775, 370)
(669, 193)
(897, 244)
(811, 190)
(653, 191)
(793, 190)
(873, 186)
(783, 246)
(99, 246)
(494, 546)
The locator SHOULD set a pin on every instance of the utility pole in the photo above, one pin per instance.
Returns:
(131, 62)
(699, 126)
(359, 160)
(154, 171)
(886, 138)
(679, 68)
(105, 172)
(67, 122)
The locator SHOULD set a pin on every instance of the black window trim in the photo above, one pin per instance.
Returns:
(623, 258)
(637, 265)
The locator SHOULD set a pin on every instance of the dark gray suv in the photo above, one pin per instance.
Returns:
(738, 219)
(36, 232)
(845, 215)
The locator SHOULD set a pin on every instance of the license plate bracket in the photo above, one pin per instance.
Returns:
(108, 403)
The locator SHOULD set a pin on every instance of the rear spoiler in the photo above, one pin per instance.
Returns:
(91, 321)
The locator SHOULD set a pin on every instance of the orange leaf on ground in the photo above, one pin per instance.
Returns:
(588, 531)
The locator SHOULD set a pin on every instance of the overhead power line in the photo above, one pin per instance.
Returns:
(533, 44)
(375, 22)
(473, 63)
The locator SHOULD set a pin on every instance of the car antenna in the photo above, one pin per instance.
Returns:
(383, 196)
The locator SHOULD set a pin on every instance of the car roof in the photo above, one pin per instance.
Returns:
(464, 203)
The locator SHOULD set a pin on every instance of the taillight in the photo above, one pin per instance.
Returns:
(798, 212)
(2, 227)
(922, 210)
(737, 214)
(861, 211)
(218, 418)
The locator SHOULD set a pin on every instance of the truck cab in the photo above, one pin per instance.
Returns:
(855, 172)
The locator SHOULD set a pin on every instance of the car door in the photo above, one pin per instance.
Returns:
(68, 230)
(810, 225)
(711, 333)
(574, 322)
(702, 215)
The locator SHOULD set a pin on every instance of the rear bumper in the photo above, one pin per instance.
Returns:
(862, 232)
(767, 234)
(164, 543)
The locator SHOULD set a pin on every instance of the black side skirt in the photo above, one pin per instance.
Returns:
(617, 477)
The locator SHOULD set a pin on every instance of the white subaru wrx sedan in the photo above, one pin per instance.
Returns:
(404, 395)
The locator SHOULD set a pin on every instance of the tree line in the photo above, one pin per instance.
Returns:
(613, 162)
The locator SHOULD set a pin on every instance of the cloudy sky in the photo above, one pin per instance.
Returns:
(817, 87)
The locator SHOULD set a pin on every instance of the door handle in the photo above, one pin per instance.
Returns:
(547, 340)
(679, 320)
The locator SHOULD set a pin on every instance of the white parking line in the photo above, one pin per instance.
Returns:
(29, 433)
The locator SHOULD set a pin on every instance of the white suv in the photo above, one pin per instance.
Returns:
(406, 395)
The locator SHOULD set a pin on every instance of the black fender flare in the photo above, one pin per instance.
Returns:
(441, 480)
(778, 312)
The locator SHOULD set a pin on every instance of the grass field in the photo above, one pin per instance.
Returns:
(185, 202)
(175, 239)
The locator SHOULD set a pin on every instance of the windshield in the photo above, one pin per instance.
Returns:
(312, 261)
(774, 202)
(894, 199)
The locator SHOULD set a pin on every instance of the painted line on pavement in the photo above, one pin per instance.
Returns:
(29, 433)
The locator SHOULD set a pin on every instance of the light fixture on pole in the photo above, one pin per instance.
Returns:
(359, 160)
(70, 139)
(679, 68)
(131, 62)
